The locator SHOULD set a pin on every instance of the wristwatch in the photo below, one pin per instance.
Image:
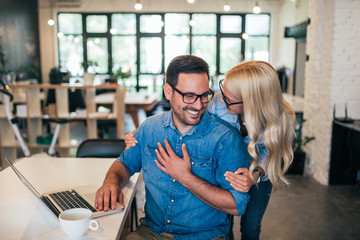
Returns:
(261, 173)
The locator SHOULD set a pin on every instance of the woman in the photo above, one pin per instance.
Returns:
(251, 96)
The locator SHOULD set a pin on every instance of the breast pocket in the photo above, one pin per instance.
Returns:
(202, 167)
(150, 169)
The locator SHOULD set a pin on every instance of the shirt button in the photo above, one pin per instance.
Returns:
(180, 138)
(168, 221)
(192, 163)
(172, 200)
(173, 180)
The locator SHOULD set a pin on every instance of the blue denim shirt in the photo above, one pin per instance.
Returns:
(219, 109)
(170, 207)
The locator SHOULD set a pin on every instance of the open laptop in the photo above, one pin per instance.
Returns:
(58, 201)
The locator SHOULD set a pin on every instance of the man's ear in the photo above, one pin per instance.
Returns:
(168, 91)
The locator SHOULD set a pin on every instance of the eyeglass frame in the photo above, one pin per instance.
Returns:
(210, 95)
(226, 99)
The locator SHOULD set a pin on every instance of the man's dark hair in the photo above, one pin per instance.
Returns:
(185, 64)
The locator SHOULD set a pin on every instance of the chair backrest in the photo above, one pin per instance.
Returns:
(101, 148)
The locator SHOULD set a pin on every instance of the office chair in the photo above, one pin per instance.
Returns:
(107, 148)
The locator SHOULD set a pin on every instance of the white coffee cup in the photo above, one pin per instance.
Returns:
(75, 222)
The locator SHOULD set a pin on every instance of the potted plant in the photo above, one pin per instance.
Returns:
(297, 166)
(119, 75)
(55, 75)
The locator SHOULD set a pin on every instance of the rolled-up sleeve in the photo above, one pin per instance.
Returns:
(231, 155)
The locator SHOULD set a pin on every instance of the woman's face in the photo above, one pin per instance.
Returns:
(237, 108)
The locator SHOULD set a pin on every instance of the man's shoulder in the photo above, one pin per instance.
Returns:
(221, 125)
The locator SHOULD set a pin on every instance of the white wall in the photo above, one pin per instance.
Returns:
(332, 76)
(281, 50)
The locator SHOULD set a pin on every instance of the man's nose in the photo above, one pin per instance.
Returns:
(197, 104)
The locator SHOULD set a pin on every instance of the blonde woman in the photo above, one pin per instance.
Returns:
(255, 106)
(250, 99)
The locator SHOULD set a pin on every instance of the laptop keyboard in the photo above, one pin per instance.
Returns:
(71, 199)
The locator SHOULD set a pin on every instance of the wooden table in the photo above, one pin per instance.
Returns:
(24, 217)
(133, 102)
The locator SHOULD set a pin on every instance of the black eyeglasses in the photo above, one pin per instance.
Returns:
(226, 100)
(190, 98)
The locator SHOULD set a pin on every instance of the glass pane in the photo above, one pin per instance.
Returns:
(177, 23)
(124, 23)
(150, 55)
(97, 53)
(257, 48)
(203, 23)
(71, 54)
(230, 53)
(205, 47)
(151, 23)
(151, 83)
(70, 23)
(96, 24)
(257, 24)
(175, 46)
(230, 24)
(124, 54)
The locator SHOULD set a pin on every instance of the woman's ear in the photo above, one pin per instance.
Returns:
(168, 91)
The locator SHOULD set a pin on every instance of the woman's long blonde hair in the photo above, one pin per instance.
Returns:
(267, 115)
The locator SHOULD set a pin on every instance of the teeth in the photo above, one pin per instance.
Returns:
(193, 112)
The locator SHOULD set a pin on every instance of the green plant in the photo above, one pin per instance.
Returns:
(2, 59)
(301, 143)
(119, 74)
(89, 64)
(31, 70)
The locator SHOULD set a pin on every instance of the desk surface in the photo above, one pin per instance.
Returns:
(24, 217)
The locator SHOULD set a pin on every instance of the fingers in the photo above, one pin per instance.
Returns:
(99, 199)
(240, 183)
(159, 157)
(169, 149)
(130, 140)
(162, 151)
(185, 152)
(121, 199)
(106, 198)
(162, 168)
(241, 170)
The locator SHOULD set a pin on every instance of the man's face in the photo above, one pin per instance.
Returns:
(185, 116)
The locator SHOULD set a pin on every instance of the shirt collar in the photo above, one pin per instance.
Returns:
(199, 129)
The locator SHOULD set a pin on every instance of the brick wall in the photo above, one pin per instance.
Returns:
(332, 76)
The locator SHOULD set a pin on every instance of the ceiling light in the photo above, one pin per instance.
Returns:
(138, 6)
(191, 1)
(227, 6)
(51, 22)
(256, 9)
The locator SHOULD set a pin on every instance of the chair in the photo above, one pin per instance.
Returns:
(107, 148)
(101, 148)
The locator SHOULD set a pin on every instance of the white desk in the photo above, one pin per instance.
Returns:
(22, 216)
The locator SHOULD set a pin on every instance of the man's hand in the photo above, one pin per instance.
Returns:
(176, 167)
(110, 192)
(107, 196)
(240, 179)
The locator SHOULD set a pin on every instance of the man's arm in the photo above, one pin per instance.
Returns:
(110, 192)
(180, 170)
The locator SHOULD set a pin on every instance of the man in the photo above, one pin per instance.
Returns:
(184, 154)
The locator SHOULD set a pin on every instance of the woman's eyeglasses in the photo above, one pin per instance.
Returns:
(190, 98)
(226, 100)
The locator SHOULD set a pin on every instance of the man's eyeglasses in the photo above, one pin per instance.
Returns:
(226, 100)
(190, 98)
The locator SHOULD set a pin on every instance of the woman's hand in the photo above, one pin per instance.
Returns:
(240, 179)
(130, 141)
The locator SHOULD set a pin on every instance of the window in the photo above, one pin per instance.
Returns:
(144, 43)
